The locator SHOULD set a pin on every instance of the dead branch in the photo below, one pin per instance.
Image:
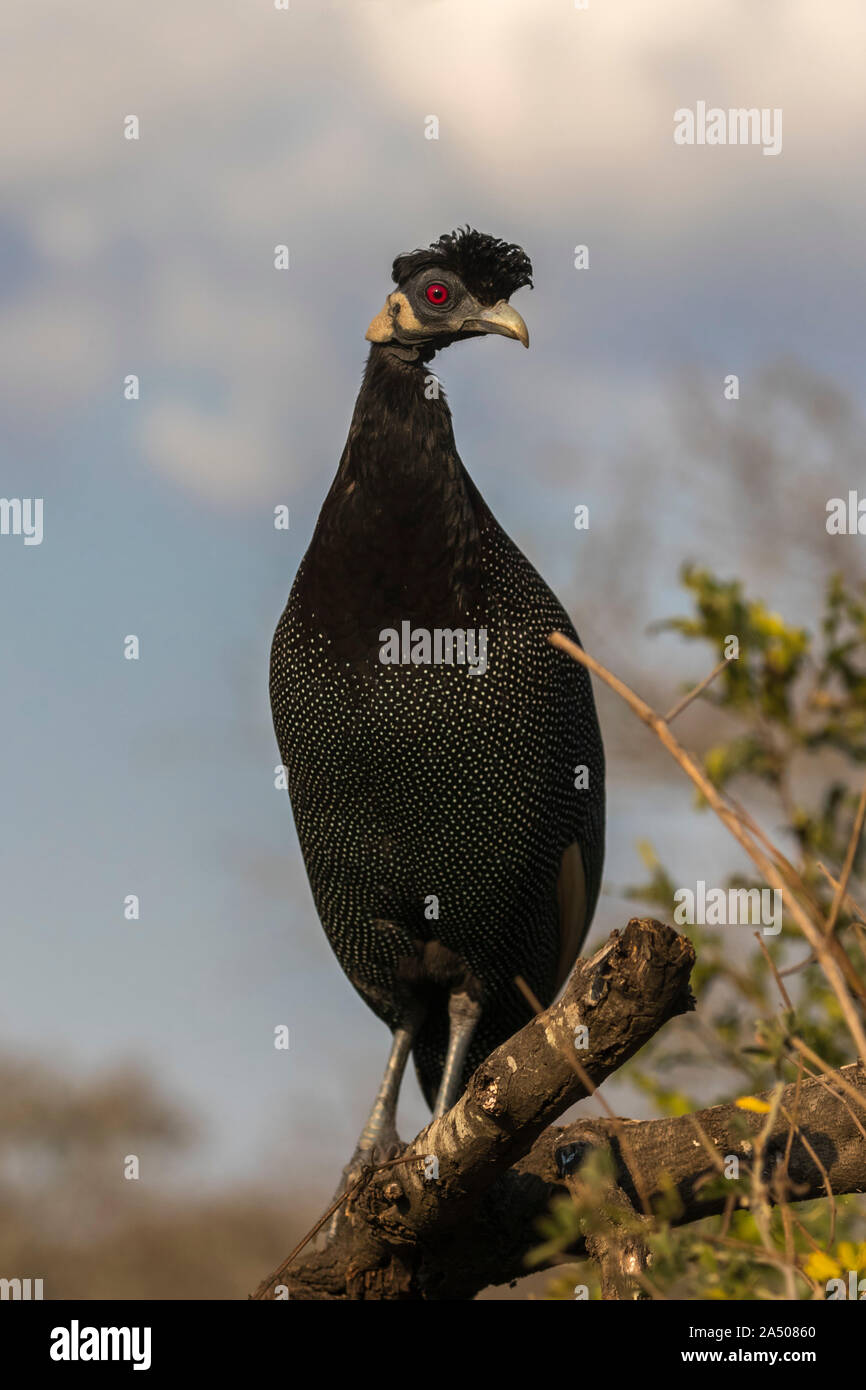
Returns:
(397, 1232)
(827, 1146)
(501, 1163)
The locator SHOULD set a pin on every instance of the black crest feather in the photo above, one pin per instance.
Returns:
(489, 268)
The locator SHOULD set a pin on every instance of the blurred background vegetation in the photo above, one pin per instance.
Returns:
(70, 1217)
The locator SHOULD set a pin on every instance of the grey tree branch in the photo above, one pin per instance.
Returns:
(395, 1235)
(459, 1211)
(830, 1129)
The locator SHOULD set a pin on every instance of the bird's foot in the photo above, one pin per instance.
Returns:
(362, 1161)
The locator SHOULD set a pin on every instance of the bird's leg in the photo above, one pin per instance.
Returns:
(463, 1013)
(379, 1137)
(380, 1131)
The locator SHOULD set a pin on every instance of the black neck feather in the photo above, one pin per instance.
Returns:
(398, 534)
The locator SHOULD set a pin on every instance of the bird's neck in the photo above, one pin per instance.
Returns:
(401, 438)
(398, 533)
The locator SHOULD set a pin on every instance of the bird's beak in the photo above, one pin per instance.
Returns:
(501, 318)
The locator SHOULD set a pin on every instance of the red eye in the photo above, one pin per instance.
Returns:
(437, 294)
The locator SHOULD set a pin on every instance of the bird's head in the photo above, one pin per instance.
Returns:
(458, 288)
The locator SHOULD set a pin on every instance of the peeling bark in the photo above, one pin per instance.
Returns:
(459, 1210)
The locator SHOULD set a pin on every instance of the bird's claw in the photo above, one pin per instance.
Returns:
(362, 1164)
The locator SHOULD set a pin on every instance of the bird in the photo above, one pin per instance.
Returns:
(450, 813)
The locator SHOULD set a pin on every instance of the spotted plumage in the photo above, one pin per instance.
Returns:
(436, 808)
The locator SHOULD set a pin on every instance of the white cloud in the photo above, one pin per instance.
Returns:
(53, 349)
(260, 126)
(224, 457)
